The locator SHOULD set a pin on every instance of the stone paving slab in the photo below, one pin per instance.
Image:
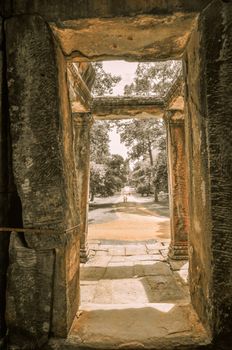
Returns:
(157, 269)
(179, 265)
(119, 272)
(102, 252)
(154, 325)
(117, 251)
(98, 261)
(182, 275)
(119, 263)
(117, 259)
(92, 273)
(153, 251)
(164, 289)
(158, 245)
(88, 292)
(116, 281)
(136, 250)
(147, 257)
(134, 301)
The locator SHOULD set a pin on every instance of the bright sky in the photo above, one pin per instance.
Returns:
(116, 147)
(123, 68)
(127, 72)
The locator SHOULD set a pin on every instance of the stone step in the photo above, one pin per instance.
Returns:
(166, 326)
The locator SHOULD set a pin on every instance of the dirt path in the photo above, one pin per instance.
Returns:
(138, 219)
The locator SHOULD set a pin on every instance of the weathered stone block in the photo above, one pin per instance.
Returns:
(178, 196)
(43, 161)
(29, 295)
(208, 68)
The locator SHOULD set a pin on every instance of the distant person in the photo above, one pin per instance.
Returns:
(125, 198)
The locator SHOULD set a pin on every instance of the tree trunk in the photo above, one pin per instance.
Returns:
(156, 199)
(92, 197)
(150, 153)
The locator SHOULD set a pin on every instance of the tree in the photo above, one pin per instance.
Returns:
(99, 137)
(146, 140)
(104, 82)
(99, 141)
(142, 176)
(107, 172)
(153, 78)
(116, 175)
(97, 178)
(141, 137)
(109, 177)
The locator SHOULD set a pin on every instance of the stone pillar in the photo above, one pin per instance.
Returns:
(4, 237)
(177, 185)
(82, 123)
(43, 274)
(208, 89)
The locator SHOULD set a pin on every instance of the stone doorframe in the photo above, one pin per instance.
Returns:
(45, 268)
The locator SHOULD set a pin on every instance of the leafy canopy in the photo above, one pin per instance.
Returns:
(154, 78)
(104, 82)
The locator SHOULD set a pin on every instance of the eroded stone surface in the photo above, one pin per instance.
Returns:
(129, 278)
(208, 74)
(140, 305)
(54, 10)
(143, 37)
(43, 164)
(178, 196)
(127, 107)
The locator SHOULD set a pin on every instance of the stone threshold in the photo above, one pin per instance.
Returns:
(157, 326)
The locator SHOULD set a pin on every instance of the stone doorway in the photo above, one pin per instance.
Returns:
(43, 160)
(127, 276)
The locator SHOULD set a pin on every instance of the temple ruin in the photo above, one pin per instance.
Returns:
(46, 112)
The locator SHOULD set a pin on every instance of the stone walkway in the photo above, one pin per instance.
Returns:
(119, 273)
(132, 297)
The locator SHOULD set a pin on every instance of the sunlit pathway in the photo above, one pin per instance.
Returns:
(132, 297)
(138, 219)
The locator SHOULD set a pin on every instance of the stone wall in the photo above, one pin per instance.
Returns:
(4, 237)
(46, 265)
(10, 206)
(43, 164)
(137, 30)
(53, 10)
(208, 76)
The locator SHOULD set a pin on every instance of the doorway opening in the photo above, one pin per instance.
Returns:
(42, 141)
(128, 277)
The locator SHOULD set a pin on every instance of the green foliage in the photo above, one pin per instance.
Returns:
(108, 177)
(104, 82)
(108, 173)
(153, 78)
(116, 175)
(142, 176)
(146, 141)
(99, 141)
(97, 178)
(142, 137)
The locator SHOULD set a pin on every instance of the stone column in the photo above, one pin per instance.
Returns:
(82, 123)
(177, 185)
(43, 273)
(208, 88)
